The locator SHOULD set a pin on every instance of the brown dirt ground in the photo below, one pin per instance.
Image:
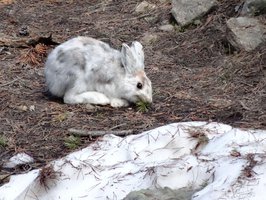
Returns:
(196, 75)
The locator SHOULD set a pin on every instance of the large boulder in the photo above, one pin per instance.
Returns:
(185, 11)
(245, 33)
(254, 7)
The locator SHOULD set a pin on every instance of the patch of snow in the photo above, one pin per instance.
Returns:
(18, 159)
(18, 186)
(167, 156)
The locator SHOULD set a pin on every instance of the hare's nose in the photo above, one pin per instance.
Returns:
(148, 99)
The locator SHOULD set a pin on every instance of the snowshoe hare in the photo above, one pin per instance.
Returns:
(86, 70)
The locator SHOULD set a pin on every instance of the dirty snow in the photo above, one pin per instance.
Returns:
(230, 164)
(18, 159)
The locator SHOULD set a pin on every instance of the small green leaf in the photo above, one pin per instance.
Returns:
(3, 141)
(72, 142)
(142, 106)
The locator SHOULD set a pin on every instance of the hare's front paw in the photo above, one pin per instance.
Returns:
(116, 103)
(87, 97)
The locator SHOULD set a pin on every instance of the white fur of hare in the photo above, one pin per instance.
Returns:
(86, 70)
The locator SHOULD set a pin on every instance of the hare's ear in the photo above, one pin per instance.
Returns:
(138, 51)
(128, 59)
(132, 57)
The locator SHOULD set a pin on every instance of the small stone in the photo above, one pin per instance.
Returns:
(23, 108)
(220, 103)
(167, 27)
(90, 107)
(197, 22)
(32, 108)
(144, 6)
(151, 19)
(4, 50)
(23, 31)
(149, 38)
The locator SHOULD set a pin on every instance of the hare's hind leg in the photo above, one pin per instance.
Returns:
(86, 97)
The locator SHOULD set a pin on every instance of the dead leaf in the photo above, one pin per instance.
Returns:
(6, 2)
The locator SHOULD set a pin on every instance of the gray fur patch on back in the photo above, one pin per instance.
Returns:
(95, 69)
(60, 56)
(71, 79)
(74, 57)
(101, 77)
(105, 80)
(80, 60)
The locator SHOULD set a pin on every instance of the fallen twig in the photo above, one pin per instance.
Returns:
(8, 41)
(85, 133)
(117, 126)
(130, 19)
(10, 82)
(5, 178)
(244, 106)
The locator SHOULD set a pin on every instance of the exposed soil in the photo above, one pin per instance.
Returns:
(196, 74)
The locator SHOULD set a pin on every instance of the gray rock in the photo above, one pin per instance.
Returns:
(167, 27)
(254, 7)
(152, 18)
(197, 22)
(149, 38)
(161, 194)
(144, 6)
(185, 11)
(245, 33)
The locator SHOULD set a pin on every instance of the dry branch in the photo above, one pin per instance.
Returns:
(10, 82)
(8, 41)
(85, 133)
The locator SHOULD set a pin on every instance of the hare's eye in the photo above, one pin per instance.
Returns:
(139, 85)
